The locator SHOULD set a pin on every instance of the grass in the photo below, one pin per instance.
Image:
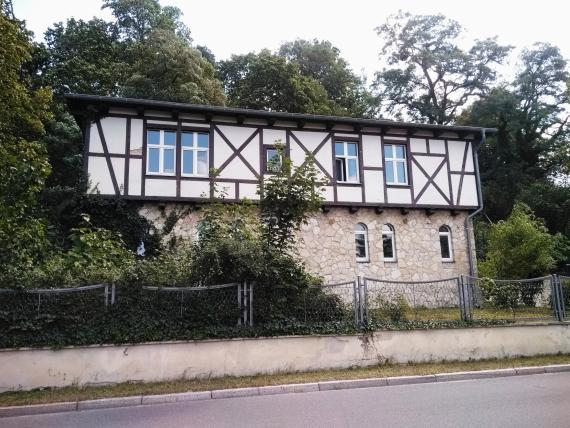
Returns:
(452, 314)
(73, 393)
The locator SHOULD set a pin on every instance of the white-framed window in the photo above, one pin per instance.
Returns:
(389, 243)
(346, 161)
(194, 146)
(361, 242)
(445, 244)
(161, 152)
(273, 159)
(396, 164)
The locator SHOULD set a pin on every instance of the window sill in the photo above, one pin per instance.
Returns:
(159, 174)
(448, 261)
(363, 261)
(195, 175)
(349, 183)
(390, 261)
(398, 186)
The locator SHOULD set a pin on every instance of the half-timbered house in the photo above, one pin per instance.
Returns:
(398, 198)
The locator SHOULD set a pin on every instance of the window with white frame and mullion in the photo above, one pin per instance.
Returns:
(194, 153)
(396, 164)
(346, 161)
(161, 152)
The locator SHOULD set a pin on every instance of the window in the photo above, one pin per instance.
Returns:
(195, 153)
(161, 152)
(445, 244)
(396, 166)
(361, 241)
(346, 161)
(273, 159)
(389, 243)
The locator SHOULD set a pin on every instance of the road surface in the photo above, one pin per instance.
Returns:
(520, 401)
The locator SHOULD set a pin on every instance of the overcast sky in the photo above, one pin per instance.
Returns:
(228, 27)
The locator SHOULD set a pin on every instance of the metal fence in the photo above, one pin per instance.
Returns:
(355, 302)
(520, 300)
(411, 300)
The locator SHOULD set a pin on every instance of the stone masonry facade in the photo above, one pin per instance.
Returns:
(327, 245)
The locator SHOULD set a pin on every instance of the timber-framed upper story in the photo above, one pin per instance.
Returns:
(166, 151)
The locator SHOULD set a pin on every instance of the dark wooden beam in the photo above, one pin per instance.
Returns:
(175, 114)
(453, 212)
(271, 121)
(208, 117)
(379, 210)
(329, 126)
(301, 124)
(240, 120)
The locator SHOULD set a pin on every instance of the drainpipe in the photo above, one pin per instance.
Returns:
(469, 218)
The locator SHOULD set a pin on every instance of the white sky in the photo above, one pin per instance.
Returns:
(232, 27)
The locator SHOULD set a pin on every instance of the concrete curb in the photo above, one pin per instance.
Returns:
(107, 403)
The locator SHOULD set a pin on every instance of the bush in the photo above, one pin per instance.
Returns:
(395, 310)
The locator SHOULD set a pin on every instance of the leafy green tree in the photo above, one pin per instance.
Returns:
(322, 61)
(429, 78)
(23, 161)
(137, 19)
(520, 247)
(84, 57)
(167, 68)
(266, 81)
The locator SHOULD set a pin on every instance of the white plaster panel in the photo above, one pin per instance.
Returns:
(237, 169)
(437, 146)
(371, 150)
(237, 134)
(395, 137)
(119, 169)
(95, 145)
(455, 187)
(225, 190)
(310, 139)
(418, 145)
(221, 150)
(296, 153)
(469, 161)
(374, 189)
(135, 171)
(432, 197)
(456, 150)
(442, 180)
(115, 132)
(159, 187)
(274, 136)
(328, 193)
(162, 122)
(349, 193)
(419, 179)
(468, 191)
(136, 136)
(248, 190)
(251, 154)
(194, 189)
(196, 125)
(399, 196)
(99, 176)
(324, 156)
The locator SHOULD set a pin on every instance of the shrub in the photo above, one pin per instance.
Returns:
(396, 310)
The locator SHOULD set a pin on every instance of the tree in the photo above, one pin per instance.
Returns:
(322, 61)
(23, 161)
(266, 81)
(85, 57)
(429, 77)
(167, 68)
(520, 247)
(137, 19)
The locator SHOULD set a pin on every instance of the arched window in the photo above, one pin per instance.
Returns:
(445, 244)
(389, 243)
(361, 241)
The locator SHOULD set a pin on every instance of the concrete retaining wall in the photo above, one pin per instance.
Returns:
(33, 368)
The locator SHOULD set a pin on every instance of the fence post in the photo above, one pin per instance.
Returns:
(239, 302)
(251, 304)
(561, 294)
(557, 297)
(106, 295)
(356, 298)
(112, 294)
(363, 297)
(467, 298)
(462, 309)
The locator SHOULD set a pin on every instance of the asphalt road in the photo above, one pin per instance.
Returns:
(521, 401)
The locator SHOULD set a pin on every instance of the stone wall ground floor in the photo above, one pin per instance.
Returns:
(327, 242)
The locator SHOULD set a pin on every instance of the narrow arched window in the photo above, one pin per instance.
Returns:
(389, 243)
(361, 241)
(445, 244)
